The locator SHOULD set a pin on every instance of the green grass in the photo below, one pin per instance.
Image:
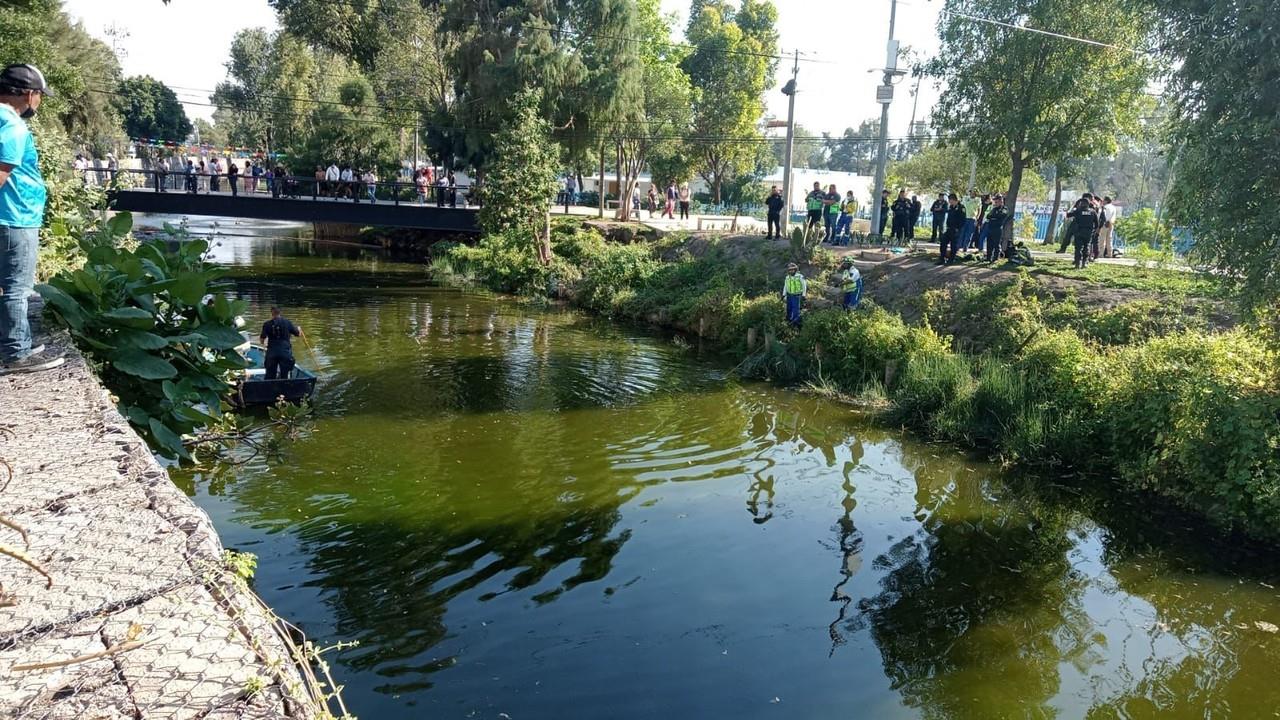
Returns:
(1166, 281)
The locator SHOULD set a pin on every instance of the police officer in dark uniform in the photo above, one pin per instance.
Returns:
(955, 225)
(277, 334)
(884, 212)
(901, 215)
(996, 218)
(916, 209)
(939, 210)
(1084, 223)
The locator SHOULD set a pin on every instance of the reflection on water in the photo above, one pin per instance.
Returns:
(534, 513)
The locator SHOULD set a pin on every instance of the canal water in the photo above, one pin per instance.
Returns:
(522, 513)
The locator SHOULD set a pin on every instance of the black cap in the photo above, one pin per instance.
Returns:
(25, 77)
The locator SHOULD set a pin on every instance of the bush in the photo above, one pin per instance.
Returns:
(139, 316)
(934, 393)
(1142, 228)
(502, 263)
(1194, 417)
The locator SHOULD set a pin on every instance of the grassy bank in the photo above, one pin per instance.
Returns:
(1149, 391)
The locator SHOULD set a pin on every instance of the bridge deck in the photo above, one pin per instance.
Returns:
(305, 209)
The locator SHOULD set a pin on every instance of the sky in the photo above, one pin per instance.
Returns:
(184, 44)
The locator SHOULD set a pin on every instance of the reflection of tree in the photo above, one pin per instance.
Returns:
(977, 608)
(1202, 655)
(849, 542)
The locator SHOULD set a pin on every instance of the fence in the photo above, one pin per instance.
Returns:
(296, 187)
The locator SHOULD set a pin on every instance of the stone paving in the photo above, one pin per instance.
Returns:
(140, 601)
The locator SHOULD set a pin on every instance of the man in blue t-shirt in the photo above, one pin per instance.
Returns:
(278, 333)
(22, 201)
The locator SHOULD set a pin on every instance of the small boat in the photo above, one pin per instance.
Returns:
(255, 389)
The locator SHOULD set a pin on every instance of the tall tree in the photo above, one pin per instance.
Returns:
(1227, 136)
(1034, 98)
(647, 130)
(732, 66)
(247, 88)
(940, 168)
(521, 177)
(151, 109)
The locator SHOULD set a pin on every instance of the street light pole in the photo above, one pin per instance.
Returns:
(790, 91)
(884, 95)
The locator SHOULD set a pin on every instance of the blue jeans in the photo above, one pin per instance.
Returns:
(17, 276)
(843, 226)
(829, 224)
(983, 235)
(966, 235)
(793, 309)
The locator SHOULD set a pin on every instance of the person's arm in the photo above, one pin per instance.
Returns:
(262, 336)
(295, 330)
(5, 170)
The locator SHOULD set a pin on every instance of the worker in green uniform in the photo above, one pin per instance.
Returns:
(794, 287)
(813, 203)
(850, 284)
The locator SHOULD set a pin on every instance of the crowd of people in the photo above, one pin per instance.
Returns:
(1090, 229)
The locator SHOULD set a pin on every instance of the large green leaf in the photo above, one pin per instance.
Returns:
(220, 337)
(140, 340)
(130, 317)
(143, 365)
(170, 442)
(120, 224)
(86, 282)
(66, 305)
(189, 287)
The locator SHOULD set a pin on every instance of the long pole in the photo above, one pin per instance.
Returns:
(791, 141)
(973, 174)
(882, 162)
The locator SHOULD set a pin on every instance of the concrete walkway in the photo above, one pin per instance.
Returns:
(140, 618)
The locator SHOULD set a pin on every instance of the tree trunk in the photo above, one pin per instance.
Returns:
(1057, 205)
(623, 196)
(1011, 197)
(544, 240)
(600, 185)
(715, 188)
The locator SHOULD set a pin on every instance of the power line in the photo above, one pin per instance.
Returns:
(1038, 31)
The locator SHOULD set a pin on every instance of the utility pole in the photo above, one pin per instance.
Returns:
(884, 96)
(790, 91)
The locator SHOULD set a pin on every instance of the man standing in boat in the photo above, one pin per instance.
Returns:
(277, 334)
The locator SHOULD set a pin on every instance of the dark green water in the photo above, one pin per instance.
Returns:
(542, 515)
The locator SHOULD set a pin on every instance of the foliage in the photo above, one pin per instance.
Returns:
(731, 68)
(521, 179)
(644, 127)
(1142, 226)
(242, 564)
(945, 168)
(151, 110)
(1227, 136)
(74, 63)
(1166, 281)
(1032, 98)
(139, 316)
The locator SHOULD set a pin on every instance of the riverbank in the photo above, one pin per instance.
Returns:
(1037, 369)
(134, 611)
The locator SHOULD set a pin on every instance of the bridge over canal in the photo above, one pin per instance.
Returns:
(397, 203)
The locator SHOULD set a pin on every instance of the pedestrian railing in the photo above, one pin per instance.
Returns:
(296, 187)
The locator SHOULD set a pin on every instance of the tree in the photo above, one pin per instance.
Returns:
(246, 91)
(855, 150)
(1034, 98)
(521, 177)
(731, 65)
(208, 133)
(939, 168)
(151, 110)
(347, 130)
(665, 109)
(1227, 136)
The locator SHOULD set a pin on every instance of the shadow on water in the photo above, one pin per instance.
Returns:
(521, 512)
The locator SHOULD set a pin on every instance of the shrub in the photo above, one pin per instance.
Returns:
(930, 383)
(502, 263)
(1197, 418)
(608, 271)
(139, 316)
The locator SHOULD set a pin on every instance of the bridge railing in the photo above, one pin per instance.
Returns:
(296, 187)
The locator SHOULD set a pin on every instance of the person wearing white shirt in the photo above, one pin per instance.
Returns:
(1105, 233)
(370, 181)
(331, 178)
(347, 188)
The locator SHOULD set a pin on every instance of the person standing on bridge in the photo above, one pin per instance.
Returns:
(215, 175)
(370, 180)
(277, 334)
(331, 178)
(233, 177)
(191, 177)
(22, 203)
